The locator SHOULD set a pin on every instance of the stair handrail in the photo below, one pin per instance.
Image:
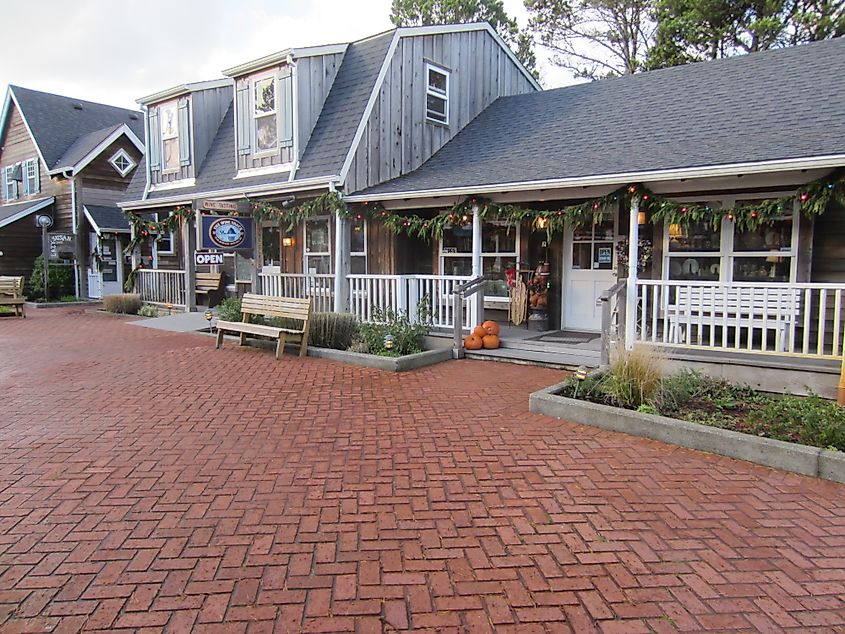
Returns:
(619, 289)
(475, 286)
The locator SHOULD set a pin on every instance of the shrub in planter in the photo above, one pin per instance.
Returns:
(406, 336)
(148, 310)
(127, 303)
(634, 377)
(809, 420)
(59, 279)
(332, 330)
(229, 309)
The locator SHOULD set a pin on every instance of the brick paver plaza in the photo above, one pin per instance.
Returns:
(150, 482)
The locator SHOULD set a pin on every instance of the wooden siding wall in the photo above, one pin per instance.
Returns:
(20, 243)
(397, 138)
(208, 107)
(99, 183)
(17, 146)
(314, 78)
(381, 249)
(251, 161)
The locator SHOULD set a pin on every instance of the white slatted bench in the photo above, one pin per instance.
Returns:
(270, 306)
(760, 308)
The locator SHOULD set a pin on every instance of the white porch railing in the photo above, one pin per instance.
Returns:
(405, 292)
(320, 287)
(161, 286)
(803, 319)
(95, 286)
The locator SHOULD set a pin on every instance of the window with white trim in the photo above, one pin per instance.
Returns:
(31, 177)
(358, 247)
(169, 122)
(499, 252)
(10, 185)
(436, 94)
(164, 242)
(265, 132)
(318, 254)
(122, 162)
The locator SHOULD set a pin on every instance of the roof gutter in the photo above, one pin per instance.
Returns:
(230, 194)
(733, 169)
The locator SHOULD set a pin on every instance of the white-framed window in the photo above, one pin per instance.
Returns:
(169, 122)
(265, 127)
(499, 252)
(164, 243)
(318, 250)
(358, 247)
(768, 253)
(436, 94)
(31, 177)
(122, 162)
(10, 185)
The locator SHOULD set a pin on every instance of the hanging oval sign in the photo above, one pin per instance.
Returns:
(227, 233)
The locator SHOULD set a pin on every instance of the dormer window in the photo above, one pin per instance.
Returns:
(169, 137)
(122, 162)
(31, 177)
(265, 126)
(437, 94)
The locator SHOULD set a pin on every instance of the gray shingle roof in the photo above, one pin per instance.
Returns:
(779, 104)
(83, 146)
(7, 211)
(56, 124)
(344, 106)
(108, 218)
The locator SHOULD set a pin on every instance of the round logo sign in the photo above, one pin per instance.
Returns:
(227, 233)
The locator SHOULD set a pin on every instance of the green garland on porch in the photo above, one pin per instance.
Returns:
(814, 199)
(330, 203)
(143, 228)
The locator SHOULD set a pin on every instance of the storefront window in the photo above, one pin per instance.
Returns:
(271, 246)
(499, 252)
(358, 247)
(317, 246)
(592, 245)
(694, 252)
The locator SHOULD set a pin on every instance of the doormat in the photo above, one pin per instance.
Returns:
(572, 338)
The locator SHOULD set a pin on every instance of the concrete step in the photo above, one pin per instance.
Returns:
(568, 359)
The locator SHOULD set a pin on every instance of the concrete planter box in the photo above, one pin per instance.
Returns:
(388, 364)
(811, 461)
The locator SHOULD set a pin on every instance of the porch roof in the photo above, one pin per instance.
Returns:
(768, 106)
(109, 219)
(16, 211)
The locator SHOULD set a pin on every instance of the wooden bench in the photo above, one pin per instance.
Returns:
(11, 294)
(210, 285)
(265, 305)
(731, 307)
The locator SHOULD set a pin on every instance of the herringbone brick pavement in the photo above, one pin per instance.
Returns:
(151, 483)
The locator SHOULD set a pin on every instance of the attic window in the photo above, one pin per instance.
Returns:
(122, 162)
(265, 125)
(437, 94)
(169, 137)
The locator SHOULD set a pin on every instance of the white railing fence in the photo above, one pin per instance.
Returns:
(371, 294)
(95, 286)
(161, 286)
(319, 286)
(803, 319)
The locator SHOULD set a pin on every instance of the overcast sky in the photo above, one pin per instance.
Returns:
(115, 52)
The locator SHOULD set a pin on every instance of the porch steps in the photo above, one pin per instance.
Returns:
(539, 353)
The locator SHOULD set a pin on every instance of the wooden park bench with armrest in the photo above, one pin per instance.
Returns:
(265, 305)
(11, 294)
(210, 285)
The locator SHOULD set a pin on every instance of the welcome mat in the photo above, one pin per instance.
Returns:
(571, 338)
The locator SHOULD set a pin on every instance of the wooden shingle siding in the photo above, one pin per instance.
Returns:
(100, 174)
(397, 139)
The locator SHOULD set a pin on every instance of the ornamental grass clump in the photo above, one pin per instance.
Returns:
(125, 303)
(634, 377)
(332, 330)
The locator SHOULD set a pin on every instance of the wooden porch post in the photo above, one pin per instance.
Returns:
(257, 257)
(343, 263)
(633, 258)
(189, 239)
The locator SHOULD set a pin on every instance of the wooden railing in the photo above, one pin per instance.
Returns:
(371, 294)
(319, 287)
(797, 319)
(161, 286)
(612, 302)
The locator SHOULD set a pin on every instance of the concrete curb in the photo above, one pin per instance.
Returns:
(388, 364)
(37, 305)
(811, 461)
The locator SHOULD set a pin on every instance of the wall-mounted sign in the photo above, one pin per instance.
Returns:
(224, 205)
(230, 233)
(605, 255)
(205, 258)
(62, 246)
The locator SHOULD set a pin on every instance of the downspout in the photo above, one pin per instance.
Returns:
(74, 223)
(295, 95)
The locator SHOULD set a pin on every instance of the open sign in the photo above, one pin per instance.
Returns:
(205, 258)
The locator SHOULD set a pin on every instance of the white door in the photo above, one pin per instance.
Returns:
(110, 265)
(589, 268)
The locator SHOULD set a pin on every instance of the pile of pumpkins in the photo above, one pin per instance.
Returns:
(485, 335)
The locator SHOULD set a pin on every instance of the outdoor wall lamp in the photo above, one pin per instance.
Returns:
(288, 241)
(44, 221)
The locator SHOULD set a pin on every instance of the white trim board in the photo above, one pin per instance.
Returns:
(182, 89)
(735, 169)
(36, 206)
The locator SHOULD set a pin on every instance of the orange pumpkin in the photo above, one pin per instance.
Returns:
(491, 342)
(490, 327)
(473, 342)
(479, 331)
